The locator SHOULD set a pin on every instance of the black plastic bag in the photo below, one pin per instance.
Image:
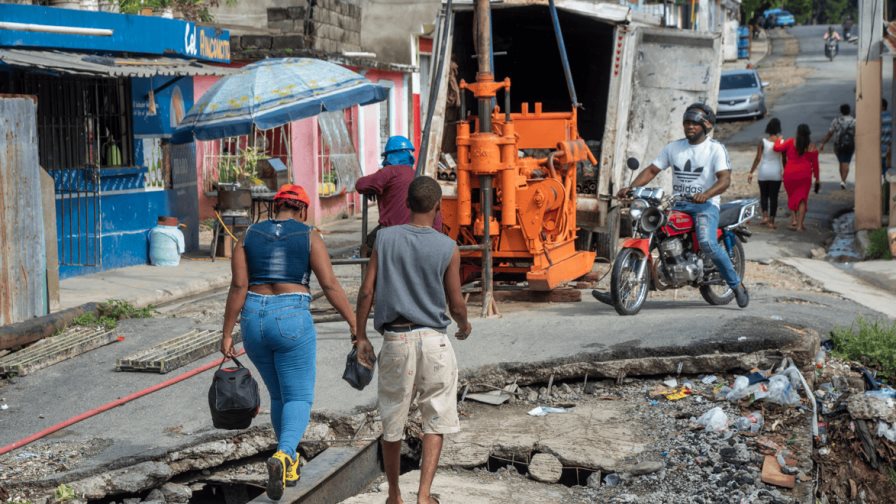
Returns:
(233, 397)
(356, 374)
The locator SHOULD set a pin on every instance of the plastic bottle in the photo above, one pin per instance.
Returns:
(820, 358)
(612, 480)
(752, 422)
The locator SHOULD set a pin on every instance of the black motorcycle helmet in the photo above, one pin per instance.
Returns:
(701, 114)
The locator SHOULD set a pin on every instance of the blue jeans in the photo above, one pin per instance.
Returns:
(279, 337)
(706, 218)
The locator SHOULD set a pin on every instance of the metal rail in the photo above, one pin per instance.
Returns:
(333, 476)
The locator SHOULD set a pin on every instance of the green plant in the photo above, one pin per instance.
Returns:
(192, 10)
(879, 246)
(109, 313)
(64, 493)
(871, 342)
(240, 169)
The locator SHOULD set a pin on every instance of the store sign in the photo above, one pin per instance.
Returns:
(49, 27)
(211, 45)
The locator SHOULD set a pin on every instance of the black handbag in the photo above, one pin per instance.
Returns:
(356, 374)
(233, 397)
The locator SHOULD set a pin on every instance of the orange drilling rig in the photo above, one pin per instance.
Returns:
(524, 222)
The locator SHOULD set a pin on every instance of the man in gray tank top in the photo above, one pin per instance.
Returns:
(415, 273)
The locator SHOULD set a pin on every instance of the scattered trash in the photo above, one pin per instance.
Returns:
(679, 393)
(824, 451)
(671, 383)
(776, 317)
(752, 422)
(709, 379)
(653, 402)
(742, 338)
(822, 438)
(785, 467)
(886, 430)
(612, 480)
(739, 390)
(714, 420)
(4, 407)
(546, 410)
(756, 377)
(884, 393)
(820, 358)
(494, 397)
(119, 339)
(772, 474)
(780, 391)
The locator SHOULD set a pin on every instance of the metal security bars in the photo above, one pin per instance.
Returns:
(84, 124)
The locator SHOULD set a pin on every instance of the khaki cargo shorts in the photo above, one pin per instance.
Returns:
(417, 365)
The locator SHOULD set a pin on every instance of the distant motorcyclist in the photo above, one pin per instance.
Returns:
(831, 43)
(832, 33)
(847, 27)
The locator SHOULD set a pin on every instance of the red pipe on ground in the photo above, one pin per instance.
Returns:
(113, 404)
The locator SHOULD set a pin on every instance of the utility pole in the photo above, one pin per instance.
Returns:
(868, 108)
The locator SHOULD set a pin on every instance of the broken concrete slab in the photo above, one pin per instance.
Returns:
(596, 436)
(470, 488)
(866, 407)
(545, 468)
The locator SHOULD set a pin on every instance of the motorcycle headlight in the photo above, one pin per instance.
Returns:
(637, 208)
(755, 98)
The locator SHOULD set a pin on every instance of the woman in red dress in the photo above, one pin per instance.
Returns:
(801, 167)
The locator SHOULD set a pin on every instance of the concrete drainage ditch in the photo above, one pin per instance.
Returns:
(612, 445)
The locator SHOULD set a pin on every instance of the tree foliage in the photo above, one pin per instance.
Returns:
(805, 11)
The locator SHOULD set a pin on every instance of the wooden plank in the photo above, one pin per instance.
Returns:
(49, 351)
(175, 352)
(48, 192)
(772, 475)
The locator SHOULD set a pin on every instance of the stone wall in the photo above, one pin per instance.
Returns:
(307, 26)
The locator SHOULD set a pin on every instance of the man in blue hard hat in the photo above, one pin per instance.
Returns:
(389, 186)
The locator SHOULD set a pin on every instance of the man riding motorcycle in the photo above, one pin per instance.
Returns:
(831, 42)
(701, 170)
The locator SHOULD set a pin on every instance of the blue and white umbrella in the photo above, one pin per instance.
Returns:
(274, 92)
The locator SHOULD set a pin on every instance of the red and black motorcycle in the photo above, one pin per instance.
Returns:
(664, 252)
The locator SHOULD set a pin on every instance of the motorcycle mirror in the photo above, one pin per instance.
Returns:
(632, 164)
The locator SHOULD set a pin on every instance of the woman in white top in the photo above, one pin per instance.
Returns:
(771, 170)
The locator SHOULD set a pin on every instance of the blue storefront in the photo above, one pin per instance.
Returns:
(110, 88)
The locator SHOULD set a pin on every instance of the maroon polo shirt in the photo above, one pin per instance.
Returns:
(390, 186)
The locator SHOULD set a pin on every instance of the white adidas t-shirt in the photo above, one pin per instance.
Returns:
(694, 166)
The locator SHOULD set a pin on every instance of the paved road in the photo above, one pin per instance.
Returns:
(817, 101)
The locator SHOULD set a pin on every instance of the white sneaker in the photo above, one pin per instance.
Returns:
(842, 185)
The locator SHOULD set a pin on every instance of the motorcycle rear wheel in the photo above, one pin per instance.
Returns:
(722, 294)
(627, 290)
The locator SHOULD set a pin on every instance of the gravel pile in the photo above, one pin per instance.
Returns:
(700, 466)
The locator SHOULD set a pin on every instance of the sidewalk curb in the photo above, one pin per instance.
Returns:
(162, 296)
(840, 282)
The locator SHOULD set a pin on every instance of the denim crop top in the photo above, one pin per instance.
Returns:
(278, 251)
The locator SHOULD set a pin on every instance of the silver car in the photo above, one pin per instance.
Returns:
(741, 95)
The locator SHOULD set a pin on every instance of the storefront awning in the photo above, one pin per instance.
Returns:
(112, 66)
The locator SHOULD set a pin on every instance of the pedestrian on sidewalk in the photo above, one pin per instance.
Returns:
(801, 167)
(843, 131)
(701, 172)
(269, 291)
(389, 187)
(414, 272)
(771, 168)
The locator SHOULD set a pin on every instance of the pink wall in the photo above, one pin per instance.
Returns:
(201, 84)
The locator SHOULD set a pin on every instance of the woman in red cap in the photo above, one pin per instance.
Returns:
(272, 268)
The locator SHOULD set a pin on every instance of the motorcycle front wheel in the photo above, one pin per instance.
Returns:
(722, 294)
(628, 289)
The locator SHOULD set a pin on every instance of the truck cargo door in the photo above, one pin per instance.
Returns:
(670, 69)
